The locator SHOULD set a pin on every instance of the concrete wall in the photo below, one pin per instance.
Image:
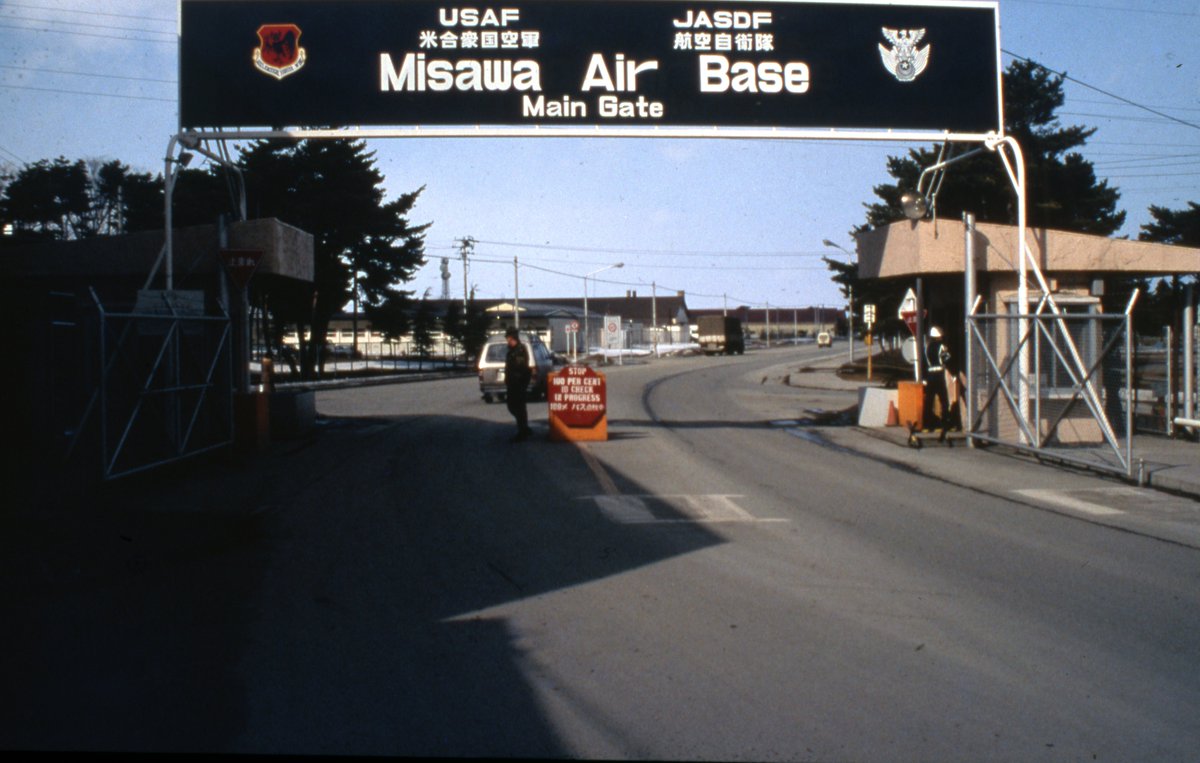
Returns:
(287, 251)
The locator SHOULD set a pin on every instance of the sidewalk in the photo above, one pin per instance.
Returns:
(1168, 464)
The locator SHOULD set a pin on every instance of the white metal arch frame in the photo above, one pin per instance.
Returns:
(191, 140)
(1004, 146)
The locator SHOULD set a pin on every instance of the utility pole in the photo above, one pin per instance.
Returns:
(851, 292)
(516, 295)
(466, 249)
(654, 314)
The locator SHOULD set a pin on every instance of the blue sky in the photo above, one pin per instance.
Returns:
(735, 221)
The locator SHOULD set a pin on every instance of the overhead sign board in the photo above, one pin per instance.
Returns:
(931, 66)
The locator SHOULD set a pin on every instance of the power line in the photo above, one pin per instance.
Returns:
(1136, 143)
(14, 156)
(1091, 6)
(140, 17)
(1144, 162)
(1158, 175)
(84, 92)
(87, 34)
(740, 268)
(1118, 117)
(85, 24)
(1097, 101)
(1122, 99)
(89, 74)
(651, 252)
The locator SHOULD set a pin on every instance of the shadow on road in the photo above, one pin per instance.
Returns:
(335, 595)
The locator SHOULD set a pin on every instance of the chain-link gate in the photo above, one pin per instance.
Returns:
(161, 392)
(1058, 384)
(1161, 376)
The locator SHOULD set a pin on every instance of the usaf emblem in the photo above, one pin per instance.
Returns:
(279, 53)
(903, 59)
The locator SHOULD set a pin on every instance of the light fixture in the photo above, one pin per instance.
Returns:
(185, 158)
(914, 205)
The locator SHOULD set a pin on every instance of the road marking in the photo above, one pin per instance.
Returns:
(675, 509)
(1060, 498)
(650, 509)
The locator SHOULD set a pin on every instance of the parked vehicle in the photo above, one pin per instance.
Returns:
(721, 334)
(491, 366)
(824, 339)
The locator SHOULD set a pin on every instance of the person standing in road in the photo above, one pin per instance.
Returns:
(517, 376)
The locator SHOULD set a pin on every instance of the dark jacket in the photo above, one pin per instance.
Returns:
(517, 373)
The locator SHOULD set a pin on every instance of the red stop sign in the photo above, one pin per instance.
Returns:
(240, 264)
(577, 397)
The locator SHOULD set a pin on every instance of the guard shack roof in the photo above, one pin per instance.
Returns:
(932, 248)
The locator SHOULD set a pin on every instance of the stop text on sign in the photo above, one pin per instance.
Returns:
(577, 396)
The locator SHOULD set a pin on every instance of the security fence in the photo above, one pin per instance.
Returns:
(156, 387)
(1161, 377)
(1057, 382)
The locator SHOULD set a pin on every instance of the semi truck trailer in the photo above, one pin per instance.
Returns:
(721, 335)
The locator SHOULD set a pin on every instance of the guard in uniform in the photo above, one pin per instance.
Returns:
(936, 356)
(517, 375)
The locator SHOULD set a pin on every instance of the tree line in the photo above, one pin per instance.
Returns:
(365, 246)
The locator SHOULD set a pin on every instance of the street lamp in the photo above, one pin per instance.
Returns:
(585, 299)
(850, 287)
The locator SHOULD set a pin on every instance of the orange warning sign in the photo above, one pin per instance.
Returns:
(578, 402)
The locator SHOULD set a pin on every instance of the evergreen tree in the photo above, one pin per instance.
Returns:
(424, 324)
(333, 190)
(1061, 186)
(47, 201)
(1173, 226)
(60, 199)
(475, 328)
(1161, 302)
(1062, 191)
(454, 324)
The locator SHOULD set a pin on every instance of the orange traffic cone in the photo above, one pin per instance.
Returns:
(893, 415)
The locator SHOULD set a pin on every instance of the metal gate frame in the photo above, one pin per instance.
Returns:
(1031, 342)
(162, 387)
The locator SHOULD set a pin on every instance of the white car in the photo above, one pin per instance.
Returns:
(491, 366)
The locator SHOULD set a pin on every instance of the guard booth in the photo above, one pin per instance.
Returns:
(1081, 399)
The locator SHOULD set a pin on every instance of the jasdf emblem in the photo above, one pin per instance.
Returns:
(279, 53)
(903, 59)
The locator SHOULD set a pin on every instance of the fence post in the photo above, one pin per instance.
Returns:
(1189, 355)
(1169, 342)
(1129, 402)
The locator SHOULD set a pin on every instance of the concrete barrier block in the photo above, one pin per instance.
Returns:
(873, 406)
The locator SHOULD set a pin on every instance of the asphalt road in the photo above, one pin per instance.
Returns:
(704, 585)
